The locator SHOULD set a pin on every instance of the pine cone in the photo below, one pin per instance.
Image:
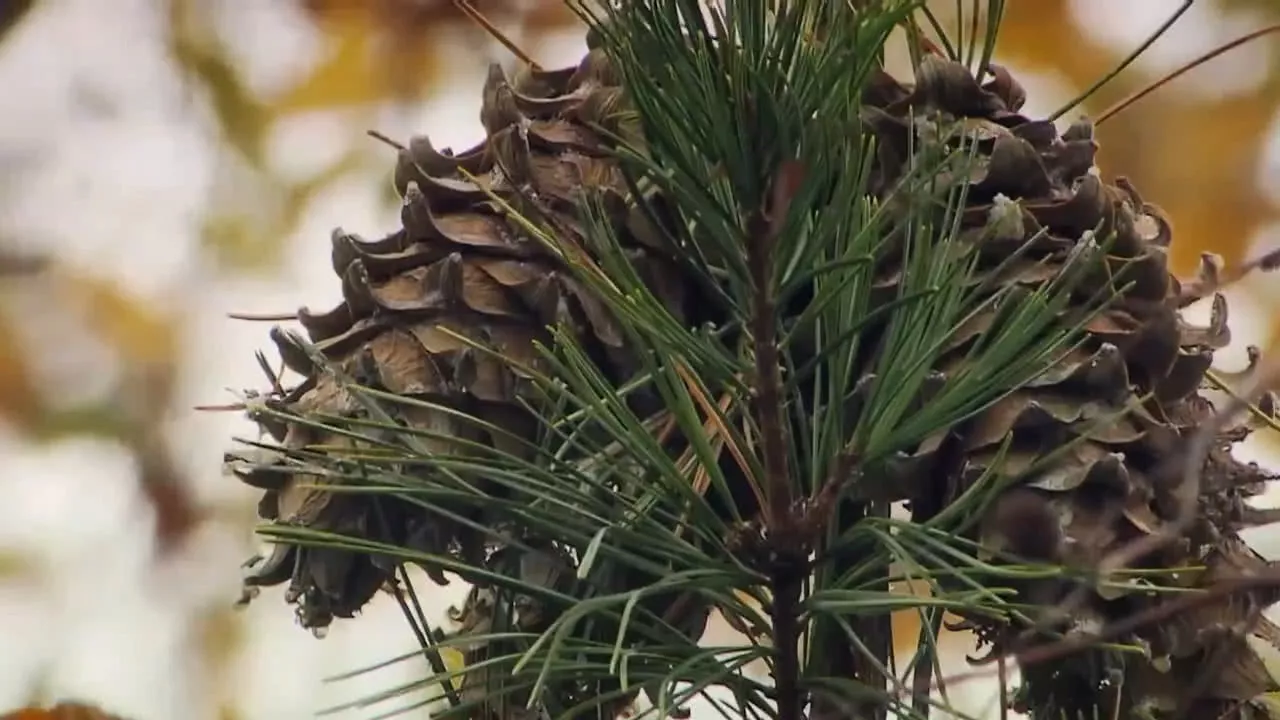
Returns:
(1118, 476)
(419, 307)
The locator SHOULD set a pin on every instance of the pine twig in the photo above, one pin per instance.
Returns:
(786, 578)
(1186, 68)
(1124, 64)
(478, 18)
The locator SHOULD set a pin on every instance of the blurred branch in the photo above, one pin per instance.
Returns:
(201, 57)
(1184, 69)
(16, 264)
(145, 341)
(12, 13)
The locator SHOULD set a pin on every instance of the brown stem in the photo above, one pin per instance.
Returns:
(787, 567)
(230, 407)
(768, 386)
(385, 139)
(785, 615)
(484, 22)
(264, 317)
(763, 231)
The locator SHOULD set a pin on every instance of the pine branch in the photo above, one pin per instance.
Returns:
(707, 379)
(787, 572)
(764, 229)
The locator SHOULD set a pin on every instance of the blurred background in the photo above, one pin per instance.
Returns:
(166, 162)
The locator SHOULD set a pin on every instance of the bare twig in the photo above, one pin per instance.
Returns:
(229, 407)
(479, 19)
(1159, 32)
(1188, 67)
(428, 637)
(385, 139)
(264, 317)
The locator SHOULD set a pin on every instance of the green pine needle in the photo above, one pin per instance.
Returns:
(650, 520)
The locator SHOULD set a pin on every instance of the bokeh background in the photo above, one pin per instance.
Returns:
(166, 162)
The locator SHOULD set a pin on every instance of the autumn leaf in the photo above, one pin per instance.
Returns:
(20, 402)
(62, 711)
(16, 565)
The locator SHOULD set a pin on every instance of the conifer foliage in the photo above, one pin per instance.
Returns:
(674, 337)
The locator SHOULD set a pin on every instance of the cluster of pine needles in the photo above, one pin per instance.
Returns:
(699, 311)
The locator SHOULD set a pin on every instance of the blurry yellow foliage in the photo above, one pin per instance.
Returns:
(61, 711)
(144, 337)
(202, 57)
(144, 334)
(373, 52)
(220, 635)
(19, 398)
(1194, 156)
(14, 564)
(246, 241)
(365, 62)
(391, 49)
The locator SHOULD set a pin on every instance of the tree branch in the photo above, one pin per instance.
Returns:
(786, 568)
(763, 231)
(785, 612)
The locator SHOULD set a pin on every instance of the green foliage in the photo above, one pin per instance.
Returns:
(746, 460)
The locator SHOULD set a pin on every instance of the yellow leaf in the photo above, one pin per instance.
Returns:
(143, 333)
(15, 564)
(20, 402)
(61, 711)
(453, 659)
